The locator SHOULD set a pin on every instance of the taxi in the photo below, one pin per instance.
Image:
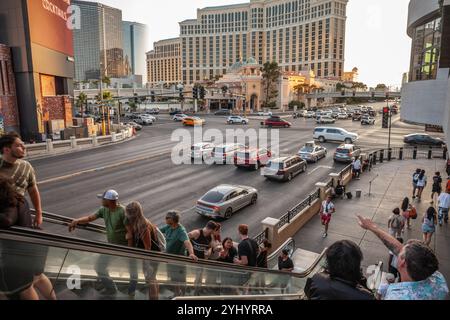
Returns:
(193, 121)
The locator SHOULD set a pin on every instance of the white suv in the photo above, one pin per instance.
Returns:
(224, 153)
(237, 119)
(324, 134)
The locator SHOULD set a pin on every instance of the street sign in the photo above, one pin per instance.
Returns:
(2, 125)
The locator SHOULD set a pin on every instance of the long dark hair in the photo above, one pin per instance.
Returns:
(422, 174)
(405, 204)
(8, 194)
(431, 213)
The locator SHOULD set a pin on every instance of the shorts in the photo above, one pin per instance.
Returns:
(326, 218)
(437, 189)
(150, 270)
(426, 228)
(177, 273)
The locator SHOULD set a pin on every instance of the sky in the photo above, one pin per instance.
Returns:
(376, 39)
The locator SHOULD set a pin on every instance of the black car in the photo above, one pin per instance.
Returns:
(172, 113)
(224, 112)
(423, 139)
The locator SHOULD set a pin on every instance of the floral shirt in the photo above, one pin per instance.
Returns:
(433, 288)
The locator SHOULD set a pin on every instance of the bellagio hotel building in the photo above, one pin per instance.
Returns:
(297, 34)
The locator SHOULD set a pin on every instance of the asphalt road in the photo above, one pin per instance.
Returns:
(142, 170)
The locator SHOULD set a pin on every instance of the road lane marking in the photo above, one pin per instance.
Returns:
(319, 167)
(115, 165)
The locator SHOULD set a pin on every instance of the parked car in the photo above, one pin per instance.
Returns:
(311, 152)
(223, 112)
(367, 120)
(237, 119)
(325, 120)
(179, 117)
(252, 158)
(324, 134)
(224, 153)
(201, 150)
(135, 125)
(423, 139)
(225, 200)
(357, 116)
(285, 168)
(193, 121)
(153, 111)
(346, 153)
(277, 122)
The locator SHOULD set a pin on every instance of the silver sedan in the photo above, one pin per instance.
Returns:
(224, 200)
(312, 152)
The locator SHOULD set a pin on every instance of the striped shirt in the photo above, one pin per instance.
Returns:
(21, 172)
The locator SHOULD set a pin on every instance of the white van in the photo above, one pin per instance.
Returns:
(224, 153)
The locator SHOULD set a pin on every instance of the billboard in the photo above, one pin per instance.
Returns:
(48, 25)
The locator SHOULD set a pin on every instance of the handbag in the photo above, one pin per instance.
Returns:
(413, 213)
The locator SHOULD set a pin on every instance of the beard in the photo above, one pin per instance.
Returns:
(17, 155)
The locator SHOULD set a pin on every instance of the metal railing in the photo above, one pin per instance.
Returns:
(330, 184)
(286, 219)
(405, 153)
(345, 171)
(262, 236)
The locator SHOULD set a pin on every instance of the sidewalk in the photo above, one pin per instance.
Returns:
(388, 191)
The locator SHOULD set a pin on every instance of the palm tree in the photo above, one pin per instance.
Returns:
(271, 74)
(82, 100)
(106, 80)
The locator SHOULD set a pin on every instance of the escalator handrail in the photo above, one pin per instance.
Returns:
(39, 237)
(274, 255)
(65, 221)
(291, 296)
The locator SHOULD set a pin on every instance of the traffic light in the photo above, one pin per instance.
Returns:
(153, 96)
(386, 115)
(354, 93)
(195, 92)
(181, 95)
(373, 94)
(343, 93)
(136, 98)
(202, 93)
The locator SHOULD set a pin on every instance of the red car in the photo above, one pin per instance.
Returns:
(277, 122)
(252, 158)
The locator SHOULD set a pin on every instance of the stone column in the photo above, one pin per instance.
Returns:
(323, 190)
(94, 140)
(336, 177)
(272, 225)
(73, 142)
(49, 145)
(113, 137)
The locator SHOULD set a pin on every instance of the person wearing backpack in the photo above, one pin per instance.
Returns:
(143, 234)
(414, 182)
(437, 186)
(396, 223)
(429, 225)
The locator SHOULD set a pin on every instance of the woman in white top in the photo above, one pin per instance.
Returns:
(421, 184)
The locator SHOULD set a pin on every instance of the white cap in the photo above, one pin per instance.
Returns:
(109, 195)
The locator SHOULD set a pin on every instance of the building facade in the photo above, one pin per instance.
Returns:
(164, 63)
(297, 34)
(9, 114)
(135, 46)
(425, 97)
(98, 44)
(351, 76)
(42, 62)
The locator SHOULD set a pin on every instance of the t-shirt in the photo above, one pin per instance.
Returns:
(327, 208)
(433, 288)
(232, 253)
(249, 249)
(415, 177)
(115, 222)
(288, 264)
(437, 181)
(21, 172)
(175, 239)
(396, 221)
(357, 165)
(422, 182)
(444, 200)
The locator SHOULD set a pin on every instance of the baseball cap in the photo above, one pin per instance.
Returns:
(109, 195)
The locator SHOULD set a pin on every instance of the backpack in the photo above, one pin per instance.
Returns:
(395, 223)
(415, 178)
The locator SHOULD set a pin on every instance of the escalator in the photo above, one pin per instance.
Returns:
(81, 269)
